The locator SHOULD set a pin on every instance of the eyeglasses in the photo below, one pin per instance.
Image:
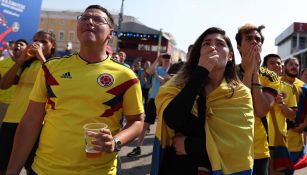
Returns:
(97, 20)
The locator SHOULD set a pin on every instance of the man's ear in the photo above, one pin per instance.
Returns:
(110, 34)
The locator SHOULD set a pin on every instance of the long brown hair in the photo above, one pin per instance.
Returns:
(230, 73)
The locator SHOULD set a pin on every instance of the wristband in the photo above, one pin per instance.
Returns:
(257, 86)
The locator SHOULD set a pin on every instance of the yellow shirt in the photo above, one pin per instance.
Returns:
(290, 101)
(270, 81)
(20, 102)
(295, 139)
(7, 94)
(78, 93)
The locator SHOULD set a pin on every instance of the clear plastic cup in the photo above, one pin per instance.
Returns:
(31, 53)
(89, 148)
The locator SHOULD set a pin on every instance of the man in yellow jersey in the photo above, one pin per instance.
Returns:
(86, 87)
(23, 74)
(263, 84)
(285, 107)
(295, 129)
(5, 65)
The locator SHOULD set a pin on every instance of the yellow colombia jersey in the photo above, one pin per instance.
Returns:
(229, 126)
(77, 93)
(290, 100)
(295, 139)
(20, 101)
(270, 82)
(7, 94)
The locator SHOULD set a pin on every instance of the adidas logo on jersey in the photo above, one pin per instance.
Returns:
(66, 75)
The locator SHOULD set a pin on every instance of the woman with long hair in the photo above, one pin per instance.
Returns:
(205, 114)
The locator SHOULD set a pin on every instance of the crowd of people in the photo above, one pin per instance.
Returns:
(213, 116)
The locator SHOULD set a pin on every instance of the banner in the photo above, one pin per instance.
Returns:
(18, 19)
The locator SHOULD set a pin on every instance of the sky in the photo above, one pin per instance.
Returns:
(187, 19)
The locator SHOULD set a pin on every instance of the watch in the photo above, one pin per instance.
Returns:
(117, 144)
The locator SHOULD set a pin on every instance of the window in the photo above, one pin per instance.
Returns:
(124, 45)
(61, 35)
(302, 43)
(62, 23)
(51, 31)
(71, 36)
(294, 42)
(144, 47)
(152, 48)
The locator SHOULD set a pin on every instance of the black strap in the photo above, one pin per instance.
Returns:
(265, 125)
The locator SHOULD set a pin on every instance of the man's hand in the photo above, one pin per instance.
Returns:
(104, 140)
(279, 99)
(300, 128)
(251, 59)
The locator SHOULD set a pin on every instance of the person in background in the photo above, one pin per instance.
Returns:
(284, 108)
(303, 75)
(264, 86)
(67, 51)
(115, 56)
(8, 50)
(296, 127)
(177, 66)
(7, 95)
(88, 87)
(145, 80)
(195, 104)
(23, 74)
(122, 58)
(158, 78)
(137, 67)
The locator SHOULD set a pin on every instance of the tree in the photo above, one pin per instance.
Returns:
(171, 38)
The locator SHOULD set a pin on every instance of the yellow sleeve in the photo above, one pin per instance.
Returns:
(39, 91)
(133, 102)
(291, 100)
(269, 80)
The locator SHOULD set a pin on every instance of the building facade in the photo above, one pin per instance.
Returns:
(137, 40)
(292, 42)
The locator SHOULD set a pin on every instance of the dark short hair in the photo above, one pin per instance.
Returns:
(247, 28)
(303, 70)
(166, 56)
(104, 10)
(266, 58)
(21, 40)
(291, 58)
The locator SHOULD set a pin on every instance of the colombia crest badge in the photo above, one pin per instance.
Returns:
(105, 80)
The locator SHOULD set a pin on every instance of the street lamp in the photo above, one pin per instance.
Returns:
(120, 20)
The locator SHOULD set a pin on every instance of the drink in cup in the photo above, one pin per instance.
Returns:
(89, 147)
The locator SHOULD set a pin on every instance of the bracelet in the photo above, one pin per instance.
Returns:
(257, 86)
